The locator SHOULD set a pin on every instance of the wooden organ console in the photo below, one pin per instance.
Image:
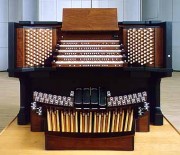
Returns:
(90, 82)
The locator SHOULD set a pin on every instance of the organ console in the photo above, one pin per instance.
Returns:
(90, 82)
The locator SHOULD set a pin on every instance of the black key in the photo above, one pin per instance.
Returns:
(94, 96)
(78, 96)
(102, 97)
(86, 96)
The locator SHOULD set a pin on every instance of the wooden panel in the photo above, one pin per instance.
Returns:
(20, 59)
(159, 47)
(142, 123)
(53, 142)
(90, 19)
(37, 122)
(124, 32)
(54, 38)
(35, 46)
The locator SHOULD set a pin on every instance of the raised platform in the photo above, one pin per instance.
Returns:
(18, 140)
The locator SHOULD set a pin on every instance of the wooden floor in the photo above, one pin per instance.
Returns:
(9, 99)
(170, 99)
(18, 140)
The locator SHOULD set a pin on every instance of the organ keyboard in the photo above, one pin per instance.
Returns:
(90, 53)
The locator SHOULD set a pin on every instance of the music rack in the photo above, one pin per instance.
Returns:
(80, 78)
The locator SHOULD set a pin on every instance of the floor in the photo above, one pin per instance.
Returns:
(18, 140)
(170, 99)
(9, 100)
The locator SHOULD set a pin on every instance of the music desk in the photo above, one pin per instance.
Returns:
(19, 140)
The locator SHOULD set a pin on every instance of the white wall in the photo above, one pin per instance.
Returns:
(166, 10)
(176, 34)
(52, 9)
(132, 10)
(13, 11)
(23, 10)
(30, 10)
(150, 9)
(3, 34)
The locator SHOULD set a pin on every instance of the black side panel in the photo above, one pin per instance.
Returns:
(168, 44)
(11, 48)
(25, 100)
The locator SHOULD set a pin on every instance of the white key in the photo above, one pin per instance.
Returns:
(89, 56)
(110, 51)
(88, 41)
(91, 46)
(88, 62)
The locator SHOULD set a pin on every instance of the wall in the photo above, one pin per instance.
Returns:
(13, 11)
(30, 10)
(166, 10)
(10, 11)
(176, 34)
(52, 9)
(4, 17)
